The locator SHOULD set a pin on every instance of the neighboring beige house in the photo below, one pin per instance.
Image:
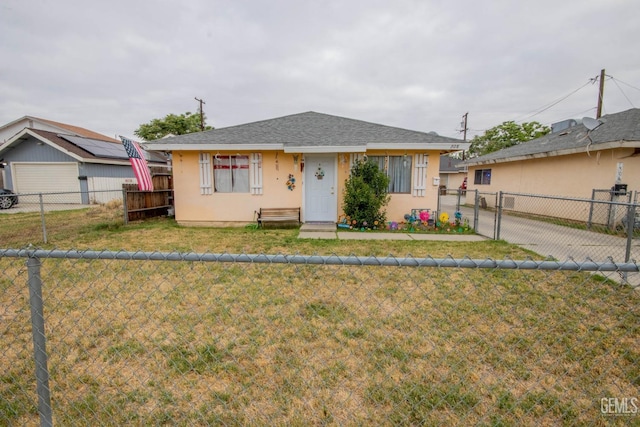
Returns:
(569, 163)
(223, 176)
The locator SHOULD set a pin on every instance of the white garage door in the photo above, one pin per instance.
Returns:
(48, 178)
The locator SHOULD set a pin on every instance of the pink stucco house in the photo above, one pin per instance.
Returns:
(223, 176)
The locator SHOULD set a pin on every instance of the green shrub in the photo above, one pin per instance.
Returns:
(366, 194)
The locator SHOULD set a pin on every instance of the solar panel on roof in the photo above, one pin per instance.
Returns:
(98, 148)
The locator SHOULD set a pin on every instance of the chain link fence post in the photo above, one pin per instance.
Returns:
(39, 341)
(44, 224)
(593, 197)
(630, 225)
(499, 215)
(476, 210)
(124, 206)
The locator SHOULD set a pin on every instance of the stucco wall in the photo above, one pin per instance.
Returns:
(192, 208)
(572, 176)
(402, 204)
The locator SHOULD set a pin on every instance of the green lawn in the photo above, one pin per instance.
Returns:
(189, 343)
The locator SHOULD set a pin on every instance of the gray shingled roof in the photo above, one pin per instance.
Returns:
(450, 164)
(621, 128)
(308, 129)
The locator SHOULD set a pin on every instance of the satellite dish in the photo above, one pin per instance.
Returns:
(590, 123)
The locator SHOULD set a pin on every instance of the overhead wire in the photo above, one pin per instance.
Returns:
(544, 108)
(622, 92)
(553, 103)
(631, 86)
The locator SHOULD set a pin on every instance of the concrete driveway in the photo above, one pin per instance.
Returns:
(551, 240)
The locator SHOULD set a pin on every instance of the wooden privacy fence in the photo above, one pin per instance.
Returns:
(148, 204)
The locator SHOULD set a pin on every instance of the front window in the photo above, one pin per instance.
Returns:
(398, 169)
(482, 177)
(231, 174)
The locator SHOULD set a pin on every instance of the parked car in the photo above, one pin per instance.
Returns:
(7, 198)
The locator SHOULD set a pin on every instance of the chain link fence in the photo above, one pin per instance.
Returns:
(48, 214)
(133, 338)
(48, 217)
(559, 227)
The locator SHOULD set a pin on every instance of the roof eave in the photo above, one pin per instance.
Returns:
(324, 149)
(440, 146)
(26, 131)
(576, 150)
(209, 147)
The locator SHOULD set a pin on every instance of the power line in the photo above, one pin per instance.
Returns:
(545, 108)
(592, 80)
(618, 80)
(622, 92)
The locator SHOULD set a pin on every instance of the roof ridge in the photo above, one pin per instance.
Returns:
(331, 116)
(88, 133)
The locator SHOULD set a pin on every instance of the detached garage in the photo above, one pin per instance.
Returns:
(77, 169)
(36, 178)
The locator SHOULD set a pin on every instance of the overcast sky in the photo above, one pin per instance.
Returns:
(110, 66)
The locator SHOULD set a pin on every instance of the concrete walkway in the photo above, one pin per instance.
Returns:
(329, 231)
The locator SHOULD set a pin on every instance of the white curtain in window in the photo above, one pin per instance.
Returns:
(231, 174)
(222, 174)
(399, 171)
(240, 174)
(378, 160)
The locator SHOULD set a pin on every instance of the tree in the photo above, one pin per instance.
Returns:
(366, 194)
(506, 135)
(171, 125)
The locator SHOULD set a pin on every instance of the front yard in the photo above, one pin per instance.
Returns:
(184, 342)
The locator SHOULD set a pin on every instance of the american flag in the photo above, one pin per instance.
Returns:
(139, 164)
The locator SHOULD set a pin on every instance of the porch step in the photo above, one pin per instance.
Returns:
(324, 226)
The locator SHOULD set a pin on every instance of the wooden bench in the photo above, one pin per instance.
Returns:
(278, 215)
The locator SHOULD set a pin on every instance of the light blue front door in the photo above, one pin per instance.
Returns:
(321, 195)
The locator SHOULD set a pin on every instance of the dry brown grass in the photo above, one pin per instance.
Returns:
(187, 343)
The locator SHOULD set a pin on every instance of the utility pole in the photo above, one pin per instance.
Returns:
(465, 116)
(464, 126)
(201, 114)
(600, 94)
